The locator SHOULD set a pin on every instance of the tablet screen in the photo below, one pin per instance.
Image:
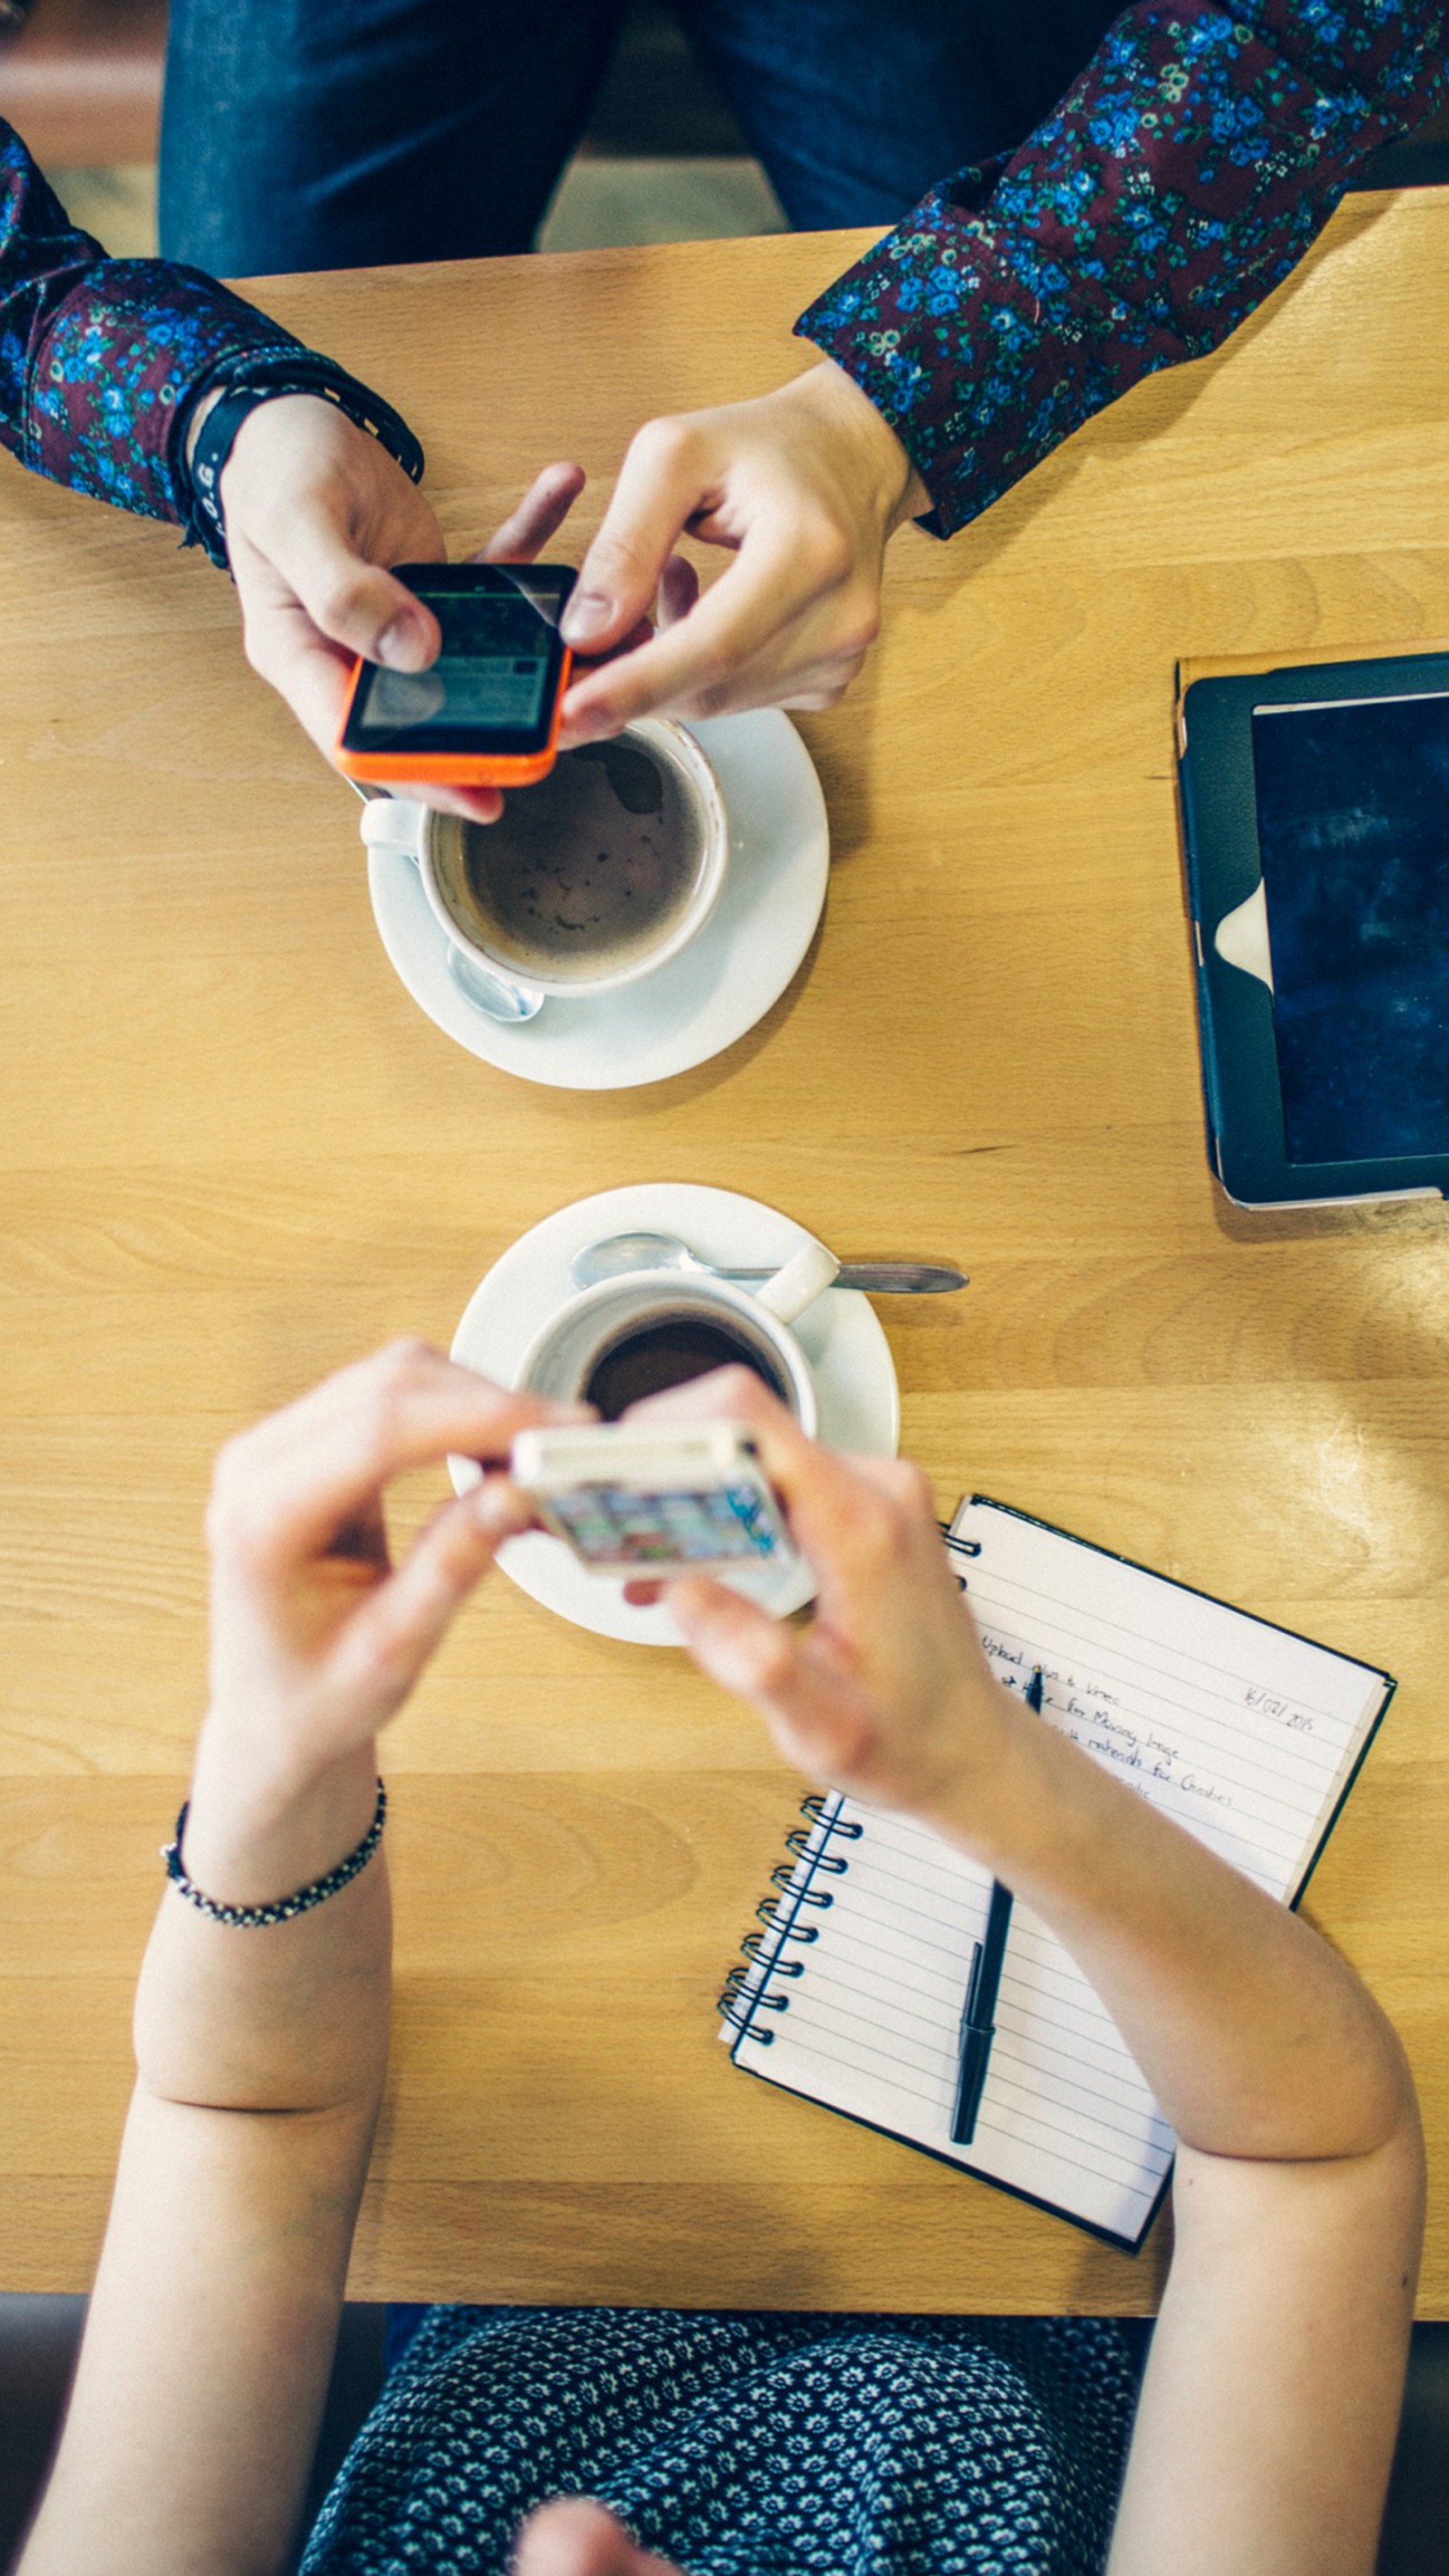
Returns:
(1353, 829)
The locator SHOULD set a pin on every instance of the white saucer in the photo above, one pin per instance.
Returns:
(841, 1336)
(703, 999)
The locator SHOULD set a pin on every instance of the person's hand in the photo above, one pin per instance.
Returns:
(316, 511)
(317, 1638)
(574, 2536)
(888, 1693)
(804, 486)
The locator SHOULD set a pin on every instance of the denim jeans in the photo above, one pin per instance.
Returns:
(345, 133)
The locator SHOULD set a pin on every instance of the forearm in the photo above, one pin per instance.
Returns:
(204, 2368)
(1256, 2039)
(1181, 179)
(1267, 2417)
(261, 2055)
(290, 2017)
(43, 257)
(1267, 2421)
(98, 356)
(261, 2048)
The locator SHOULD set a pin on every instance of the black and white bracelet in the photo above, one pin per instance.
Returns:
(249, 1918)
(240, 386)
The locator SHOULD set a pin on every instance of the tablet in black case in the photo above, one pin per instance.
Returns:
(1315, 813)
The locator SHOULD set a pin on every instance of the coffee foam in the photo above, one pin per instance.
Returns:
(587, 872)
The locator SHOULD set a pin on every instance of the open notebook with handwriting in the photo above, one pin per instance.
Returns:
(852, 1994)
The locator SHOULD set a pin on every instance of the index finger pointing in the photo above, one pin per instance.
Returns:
(702, 660)
(662, 482)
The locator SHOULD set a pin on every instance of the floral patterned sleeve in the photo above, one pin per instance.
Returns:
(1180, 180)
(98, 356)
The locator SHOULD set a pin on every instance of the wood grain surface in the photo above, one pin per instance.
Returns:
(234, 1154)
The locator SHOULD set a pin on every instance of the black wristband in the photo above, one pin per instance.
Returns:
(252, 1918)
(245, 384)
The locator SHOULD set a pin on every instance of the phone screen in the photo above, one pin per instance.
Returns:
(1353, 830)
(493, 685)
(677, 1525)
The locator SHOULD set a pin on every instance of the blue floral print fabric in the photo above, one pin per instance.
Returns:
(1179, 181)
(98, 356)
(744, 2445)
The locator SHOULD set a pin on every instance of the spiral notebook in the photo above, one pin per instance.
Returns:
(852, 1993)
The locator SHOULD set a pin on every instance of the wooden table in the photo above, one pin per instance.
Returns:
(235, 1154)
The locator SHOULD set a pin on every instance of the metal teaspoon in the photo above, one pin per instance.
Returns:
(620, 1253)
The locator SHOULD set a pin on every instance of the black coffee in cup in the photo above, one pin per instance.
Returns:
(587, 871)
(669, 1350)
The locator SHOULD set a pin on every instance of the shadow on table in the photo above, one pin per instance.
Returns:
(1397, 1219)
(1173, 391)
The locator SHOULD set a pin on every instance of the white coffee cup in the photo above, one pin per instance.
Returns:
(483, 966)
(562, 1359)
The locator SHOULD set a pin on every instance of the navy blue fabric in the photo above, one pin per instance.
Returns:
(343, 133)
(403, 2320)
(741, 2445)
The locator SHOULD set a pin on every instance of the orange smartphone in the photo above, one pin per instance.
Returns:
(486, 714)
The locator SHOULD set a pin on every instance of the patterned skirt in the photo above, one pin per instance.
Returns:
(742, 2445)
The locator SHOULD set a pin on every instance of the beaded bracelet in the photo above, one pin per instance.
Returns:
(249, 1918)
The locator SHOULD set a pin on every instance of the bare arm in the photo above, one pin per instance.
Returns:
(1268, 2413)
(261, 2052)
(1271, 2400)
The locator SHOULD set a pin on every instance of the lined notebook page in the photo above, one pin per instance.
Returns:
(1246, 1735)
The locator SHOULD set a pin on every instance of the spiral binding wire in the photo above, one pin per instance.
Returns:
(750, 1986)
(958, 1547)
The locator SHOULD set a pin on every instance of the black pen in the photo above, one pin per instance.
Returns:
(978, 2024)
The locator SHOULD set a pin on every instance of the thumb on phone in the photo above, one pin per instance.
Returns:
(354, 603)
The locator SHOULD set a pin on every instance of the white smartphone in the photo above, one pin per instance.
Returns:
(654, 1502)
